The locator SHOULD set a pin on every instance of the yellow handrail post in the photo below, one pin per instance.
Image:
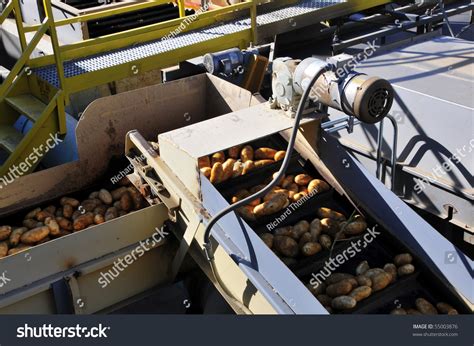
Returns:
(55, 42)
(182, 10)
(19, 23)
(253, 19)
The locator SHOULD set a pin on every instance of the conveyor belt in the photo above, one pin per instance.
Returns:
(126, 55)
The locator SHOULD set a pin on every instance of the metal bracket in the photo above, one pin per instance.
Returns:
(188, 237)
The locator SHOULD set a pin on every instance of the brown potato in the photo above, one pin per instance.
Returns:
(117, 205)
(279, 155)
(14, 239)
(64, 224)
(298, 196)
(380, 281)
(68, 210)
(363, 280)
(53, 226)
(218, 157)
(337, 277)
(101, 209)
(305, 238)
(50, 209)
(288, 181)
(32, 214)
(299, 229)
(277, 203)
(3, 249)
(5, 232)
(238, 169)
(217, 173)
(94, 194)
(274, 192)
(19, 248)
(137, 198)
(117, 193)
(35, 235)
(98, 219)
(343, 303)
(89, 205)
(354, 228)
(83, 221)
(206, 171)
(29, 223)
(125, 202)
(330, 214)
(317, 289)
(111, 213)
(267, 239)
(406, 269)
(315, 229)
(264, 154)
(234, 152)
(228, 167)
(398, 311)
(255, 189)
(325, 241)
(402, 259)
(204, 162)
(339, 288)
(310, 249)
(69, 201)
(240, 195)
(255, 202)
(44, 240)
(246, 154)
(392, 270)
(425, 307)
(324, 299)
(373, 271)
(43, 215)
(445, 308)
(286, 231)
(362, 267)
(285, 245)
(361, 293)
(330, 226)
(318, 186)
(303, 179)
(247, 213)
(263, 163)
(105, 197)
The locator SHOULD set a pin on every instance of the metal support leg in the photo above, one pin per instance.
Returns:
(446, 19)
(393, 160)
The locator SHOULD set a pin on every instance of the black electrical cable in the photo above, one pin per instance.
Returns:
(274, 182)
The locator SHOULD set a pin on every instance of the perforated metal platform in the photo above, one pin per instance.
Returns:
(130, 54)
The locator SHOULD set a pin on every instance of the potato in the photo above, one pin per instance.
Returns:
(238, 169)
(68, 211)
(5, 232)
(317, 289)
(35, 235)
(402, 259)
(274, 192)
(343, 303)
(289, 180)
(83, 221)
(315, 229)
(279, 155)
(362, 267)
(137, 198)
(50, 209)
(301, 227)
(310, 249)
(234, 152)
(3, 249)
(101, 209)
(218, 157)
(246, 154)
(324, 299)
(98, 219)
(267, 239)
(263, 163)
(64, 224)
(110, 214)
(204, 162)
(125, 202)
(44, 240)
(392, 270)
(325, 241)
(247, 213)
(339, 288)
(255, 189)
(363, 280)
(354, 228)
(330, 214)
(105, 197)
(117, 193)
(285, 245)
(372, 272)
(94, 194)
(298, 196)
(330, 226)
(318, 186)
(398, 311)
(293, 190)
(240, 195)
(286, 231)
(14, 239)
(89, 205)
(206, 171)
(305, 238)
(264, 154)
(43, 215)
(63, 233)
(380, 281)
(29, 223)
(19, 248)
(59, 212)
(303, 179)
(445, 308)
(53, 226)
(425, 307)
(361, 293)
(69, 201)
(406, 269)
(248, 167)
(32, 214)
(277, 203)
(227, 167)
(255, 202)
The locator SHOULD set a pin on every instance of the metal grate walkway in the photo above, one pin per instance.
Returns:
(130, 54)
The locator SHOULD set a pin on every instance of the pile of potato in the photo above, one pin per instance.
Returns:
(308, 238)
(342, 291)
(239, 161)
(424, 307)
(289, 189)
(70, 215)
